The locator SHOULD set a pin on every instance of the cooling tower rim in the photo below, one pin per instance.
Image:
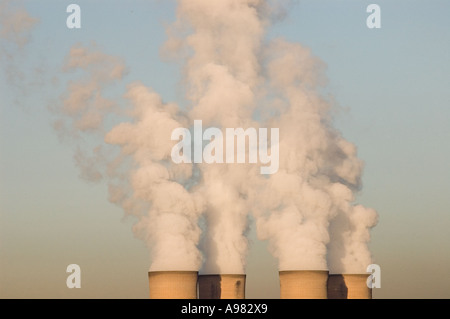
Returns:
(305, 271)
(350, 274)
(227, 275)
(172, 272)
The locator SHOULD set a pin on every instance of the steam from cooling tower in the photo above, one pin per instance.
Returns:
(170, 224)
(221, 76)
(235, 77)
(15, 23)
(16, 26)
(319, 170)
(194, 216)
(135, 160)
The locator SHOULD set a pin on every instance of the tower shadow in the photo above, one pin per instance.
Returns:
(336, 287)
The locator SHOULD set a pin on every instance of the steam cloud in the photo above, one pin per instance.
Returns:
(15, 33)
(195, 216)
(15, 23)
(306, 210)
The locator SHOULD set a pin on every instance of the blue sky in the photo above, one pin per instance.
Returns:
(391, 86)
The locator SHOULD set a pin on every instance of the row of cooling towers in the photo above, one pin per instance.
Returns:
(293, 285)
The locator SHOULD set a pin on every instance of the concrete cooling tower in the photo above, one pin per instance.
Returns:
(223, 286)
(348, 286)
(173, 284)
(304, 284)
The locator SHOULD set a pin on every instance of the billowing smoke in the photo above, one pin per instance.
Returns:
(142, 178)
(348, 252)
(222, 73)
(195, 215)
(235, 77)
(84, 107)
(16, 25)
(306, 210)
(15, 22)
(169, 222)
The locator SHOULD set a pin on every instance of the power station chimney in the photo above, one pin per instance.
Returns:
(349, 286)
(223, 286)
(303, 284)
(173, 284)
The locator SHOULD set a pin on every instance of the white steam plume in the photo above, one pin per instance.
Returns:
(142, 178)
(169, 221)
(221, 76)
(195, 216)
(84, 108)
(15, 23)
(319, 173)
(16, 26)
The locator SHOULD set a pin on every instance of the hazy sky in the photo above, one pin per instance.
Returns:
(391, 88)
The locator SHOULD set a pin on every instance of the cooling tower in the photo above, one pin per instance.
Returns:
(303, 284)
(349, 286)
(172, 284)
(223, 286)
